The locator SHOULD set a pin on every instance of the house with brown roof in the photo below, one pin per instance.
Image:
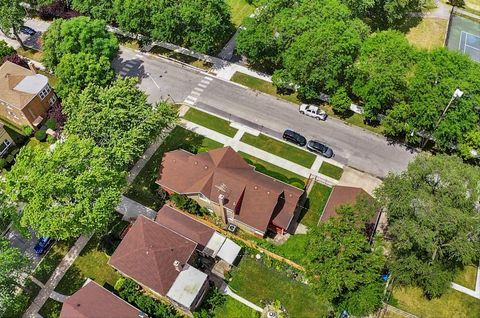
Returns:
(161, 260)
(94, 301)
(222, 181)
(25, 96)
(343, 195)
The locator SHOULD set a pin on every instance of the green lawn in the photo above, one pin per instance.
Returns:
(451, 304)
(263, 86)
(428, 34)
(92, 263)
(51, 309)
(22, 300)
(330, 170)
(467, 277)
(281, 149)
(239, 10)
(144, 189)
(211, 122)
(52, 79)
(317, 198)
(234, 309)
(51, 260)
(255, 282)
(274, 171)
(181, 57)
(31, 54)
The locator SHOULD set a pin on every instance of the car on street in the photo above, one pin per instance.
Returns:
(42, 245)
(313, 111)
(294, 137)
(319, 148)
(27, 30)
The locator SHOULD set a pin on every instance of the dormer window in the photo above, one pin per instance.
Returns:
(45, 91)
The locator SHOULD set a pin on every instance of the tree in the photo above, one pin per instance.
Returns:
(381, 71)
(340, 101)
(432, 211)
(5, 49)
(134, 15)
(76, 71)
(77, 35)
(118, 118)
(12, 17)
(13, 265)
(342, 265)
(98, 9)
(66, 192)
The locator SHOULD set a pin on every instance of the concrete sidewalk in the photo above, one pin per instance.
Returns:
(227, 291)
(474, 293)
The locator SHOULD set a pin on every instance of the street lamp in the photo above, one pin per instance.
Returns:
(457, 94)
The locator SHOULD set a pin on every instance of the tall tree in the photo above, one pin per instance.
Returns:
(342, 265)
(98, 9)
(118, 118)
(381, 71)
(134, 15)
(66, 192)
(432, 211)
(76, 71)
(12, 17)
(13, 265)
(77, 35)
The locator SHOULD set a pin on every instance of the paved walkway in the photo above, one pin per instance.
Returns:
(236, 144)
(227, 291)
(131, 209)
(57, 275)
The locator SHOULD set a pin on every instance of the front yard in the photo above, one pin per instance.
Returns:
(330, 170)
(240, 9)
(210, 121)
(51, 260)
(281, 149)
(144, 189)
(257, 283)
(51, 309)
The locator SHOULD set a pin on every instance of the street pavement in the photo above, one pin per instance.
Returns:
(353, 146)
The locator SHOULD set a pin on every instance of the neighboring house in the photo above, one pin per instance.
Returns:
(25, 96)
(161, 260)
(209, 242)
(222, 181)
(94, 301)
(6, 141)
(342, 195)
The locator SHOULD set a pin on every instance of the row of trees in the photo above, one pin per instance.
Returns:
(324, 46)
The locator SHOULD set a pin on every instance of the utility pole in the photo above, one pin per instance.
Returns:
(457, 94)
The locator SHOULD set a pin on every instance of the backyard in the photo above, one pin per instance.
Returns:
(232, 308)
(144, 189)
(274, 171)
(467, 277)
(210, 121)
(317, 199)
(281, 149)
(271, 285)
(240, 9)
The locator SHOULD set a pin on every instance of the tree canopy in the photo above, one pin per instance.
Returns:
(5, 49)
(66, 192)
(433, 217)
(77, 35)
(76, 71)
(12, 17)
(342, 264)
(118, 118)
(13, 264)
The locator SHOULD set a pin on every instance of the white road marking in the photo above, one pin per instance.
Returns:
(198, 89)
(189, 102)
(194, 99)
(202, 85)
(148, 74)
(208, 78)
(195, 93)
(204, 82)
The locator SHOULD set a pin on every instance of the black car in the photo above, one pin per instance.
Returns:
(317, 147)
(294, 137)
(27, 30)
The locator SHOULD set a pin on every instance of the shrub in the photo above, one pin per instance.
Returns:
(56, 113)
(51, 123)
(185, 203)
(51, 139)
(41, 135)
(340, 101)
(3, 162)
(16, 59)
(119, 284)
(27, 130)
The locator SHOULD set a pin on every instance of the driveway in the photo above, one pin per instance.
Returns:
(25, 245)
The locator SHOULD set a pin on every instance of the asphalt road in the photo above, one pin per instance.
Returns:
(355, 147)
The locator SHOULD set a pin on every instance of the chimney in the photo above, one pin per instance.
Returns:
(177, 266)
(32, 67)
(221, 199)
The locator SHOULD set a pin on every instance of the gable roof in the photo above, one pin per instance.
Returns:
(94, 301)
(256, 198)
(184, 225)
(339, 196)
(147, 254)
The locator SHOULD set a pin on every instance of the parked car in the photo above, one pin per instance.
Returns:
(27, 30)
(313, 111)
(294, 137)
(322, 149)
(42, 245)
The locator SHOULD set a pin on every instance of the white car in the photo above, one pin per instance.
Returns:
(313, 111)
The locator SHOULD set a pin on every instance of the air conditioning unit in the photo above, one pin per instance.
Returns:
(232, 228)
(271, 314)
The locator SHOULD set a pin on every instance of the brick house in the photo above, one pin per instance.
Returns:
(223, 182)
(25, 96)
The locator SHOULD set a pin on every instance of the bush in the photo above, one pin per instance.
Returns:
(340, 101)
(27, 130)
(51, 123)
(41, 135)
(51, 139)
(3, 163)
(185, 203)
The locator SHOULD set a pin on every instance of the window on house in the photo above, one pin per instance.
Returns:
(52, 100)
(45, 91)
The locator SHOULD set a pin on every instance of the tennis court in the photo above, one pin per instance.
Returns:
(464, 36)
